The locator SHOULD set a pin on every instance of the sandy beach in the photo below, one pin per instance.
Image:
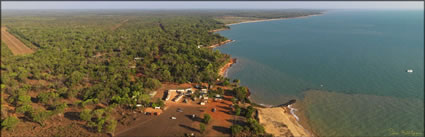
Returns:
(221, 43)
(280, 122)
(217, 30)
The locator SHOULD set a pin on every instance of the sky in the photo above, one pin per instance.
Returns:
(211, 5)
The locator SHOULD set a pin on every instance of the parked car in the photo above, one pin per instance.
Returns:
(173, 118)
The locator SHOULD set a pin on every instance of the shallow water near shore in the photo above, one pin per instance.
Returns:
(346, 68)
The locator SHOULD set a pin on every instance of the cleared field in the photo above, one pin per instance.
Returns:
(163, 125)
(14, 44)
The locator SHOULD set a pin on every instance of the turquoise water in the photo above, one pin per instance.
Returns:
(346, 68)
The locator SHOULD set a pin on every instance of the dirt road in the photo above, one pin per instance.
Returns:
(14, 44)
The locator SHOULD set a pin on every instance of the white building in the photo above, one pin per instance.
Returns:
(180, 91)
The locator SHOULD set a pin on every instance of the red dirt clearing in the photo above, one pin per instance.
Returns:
(14, 44)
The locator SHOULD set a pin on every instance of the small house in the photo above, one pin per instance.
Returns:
(202, 103)
(151, 111)
(204, 91)
(178, 98)
(152, 93)
(188, 89)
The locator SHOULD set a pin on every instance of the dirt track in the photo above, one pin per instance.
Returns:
(119, 25)
(14, 44)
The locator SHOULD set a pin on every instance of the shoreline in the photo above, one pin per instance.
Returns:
(225, 68)
(298, 127)
(263, 20)
(291, 109)
(217, 30)
(220, 44)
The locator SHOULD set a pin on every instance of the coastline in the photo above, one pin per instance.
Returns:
(220, 44)
(263, 20)
(225, 68)
(284, 114)
(217, 30)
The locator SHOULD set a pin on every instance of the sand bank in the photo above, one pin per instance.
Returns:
(280, 122)
(262, 20)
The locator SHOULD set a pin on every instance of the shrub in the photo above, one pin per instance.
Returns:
(98, 113)
(202, 127)
(9, 123)
(60, 108)
(100, 124)
(24, 108)
(86, 115)
(207, 118)
(40, 116)
(111, 125)
(23, 100)
(47, 97)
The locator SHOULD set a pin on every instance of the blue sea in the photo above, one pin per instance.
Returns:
(347, 69)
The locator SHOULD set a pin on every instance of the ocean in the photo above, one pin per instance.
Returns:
(346, 68)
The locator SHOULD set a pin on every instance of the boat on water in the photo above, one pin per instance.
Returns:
(409, 70)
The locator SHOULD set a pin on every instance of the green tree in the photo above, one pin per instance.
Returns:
(237, 110)
(74, 78)
(236, 129)
(226, 82)
(241, 93)
(220, 91)
(152, 83)
(256, 127)
(249, 111)
(236, 81)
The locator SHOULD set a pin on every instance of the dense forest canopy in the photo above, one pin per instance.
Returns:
(111, 57)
